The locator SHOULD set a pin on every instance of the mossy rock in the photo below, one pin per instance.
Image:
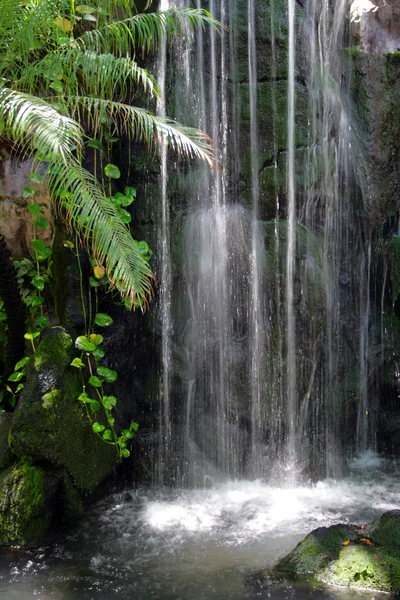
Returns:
(6, 456)
(27, 500)
(316, 549)
(347, 556)
(49, 423)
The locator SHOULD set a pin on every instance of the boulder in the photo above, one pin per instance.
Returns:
(27, 501)
(366, 557)
(49, 423)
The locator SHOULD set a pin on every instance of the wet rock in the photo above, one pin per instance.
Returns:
(15, 218)
(6, 456)
(346, 555)
(50, 425)
(27, 503)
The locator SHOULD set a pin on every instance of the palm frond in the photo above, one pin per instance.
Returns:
(37, 127)
(143, 32)
(99, 226)
(86, 72)
(142, 126)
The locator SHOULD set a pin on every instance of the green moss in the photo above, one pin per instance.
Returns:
(347, 556)
(50, 424)
(320, 546)
(387, 530)
(50, 399)
(360, 566)
(54, 349)
(25, 510)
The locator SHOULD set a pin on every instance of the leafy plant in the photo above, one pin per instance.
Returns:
(68, 73)
(93, 396)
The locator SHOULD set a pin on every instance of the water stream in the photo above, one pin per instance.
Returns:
(197, 544)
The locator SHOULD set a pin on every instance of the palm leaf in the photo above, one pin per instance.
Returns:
(40, 129)
(85, 72)
(37, 127)
(142, 126)
(144, 31)
(96, 219)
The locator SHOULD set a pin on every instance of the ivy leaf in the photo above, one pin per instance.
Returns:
(128, 434)
(95, 381)
(84, 9)
(98, 353)
(134, 426)
(103, 320)
(36, 301)
(31, 335)
(34, 208)
(38, 282)
(99, 271)
(95, 144)
(107, 435)
(94, 405)
(78, 363)
(42, 223)
(125, 216)
(16, 376)
(93, 282)
(82, 343)
(57, 86)
(28, 192)
(109, 375)
(125, 453)
(109, 402)
(42, 322)
(97, 427)
(84, 398)
(112, 171)
(40, 249)
(20, 364)
(35, 177)
(96, 338)
(64, 24)
(130, 191)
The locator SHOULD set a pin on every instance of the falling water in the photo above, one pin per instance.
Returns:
(291, 246)
(257, 347)
(260, 343)
(165, 275)
(330, 210)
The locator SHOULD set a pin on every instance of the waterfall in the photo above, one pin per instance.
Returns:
(165, 276)
(260, 302)
(256, 320)
(291, 247)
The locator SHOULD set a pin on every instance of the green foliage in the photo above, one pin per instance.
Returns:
(63, 65)
(99, 375)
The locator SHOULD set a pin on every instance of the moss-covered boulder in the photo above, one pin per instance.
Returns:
(27, 502)
(49, 424)
(346, 555)
(6, 456)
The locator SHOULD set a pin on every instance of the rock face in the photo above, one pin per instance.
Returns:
(15, 219)
(347, 556)
(57, 458)
(377, 25)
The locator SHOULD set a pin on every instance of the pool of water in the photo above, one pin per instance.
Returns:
(161, 544)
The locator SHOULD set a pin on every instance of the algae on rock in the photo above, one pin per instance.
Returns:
(49, 423)
(27, 498)
(347, 555)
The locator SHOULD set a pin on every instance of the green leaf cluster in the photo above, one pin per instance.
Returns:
(97, 376)
(68, 72)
